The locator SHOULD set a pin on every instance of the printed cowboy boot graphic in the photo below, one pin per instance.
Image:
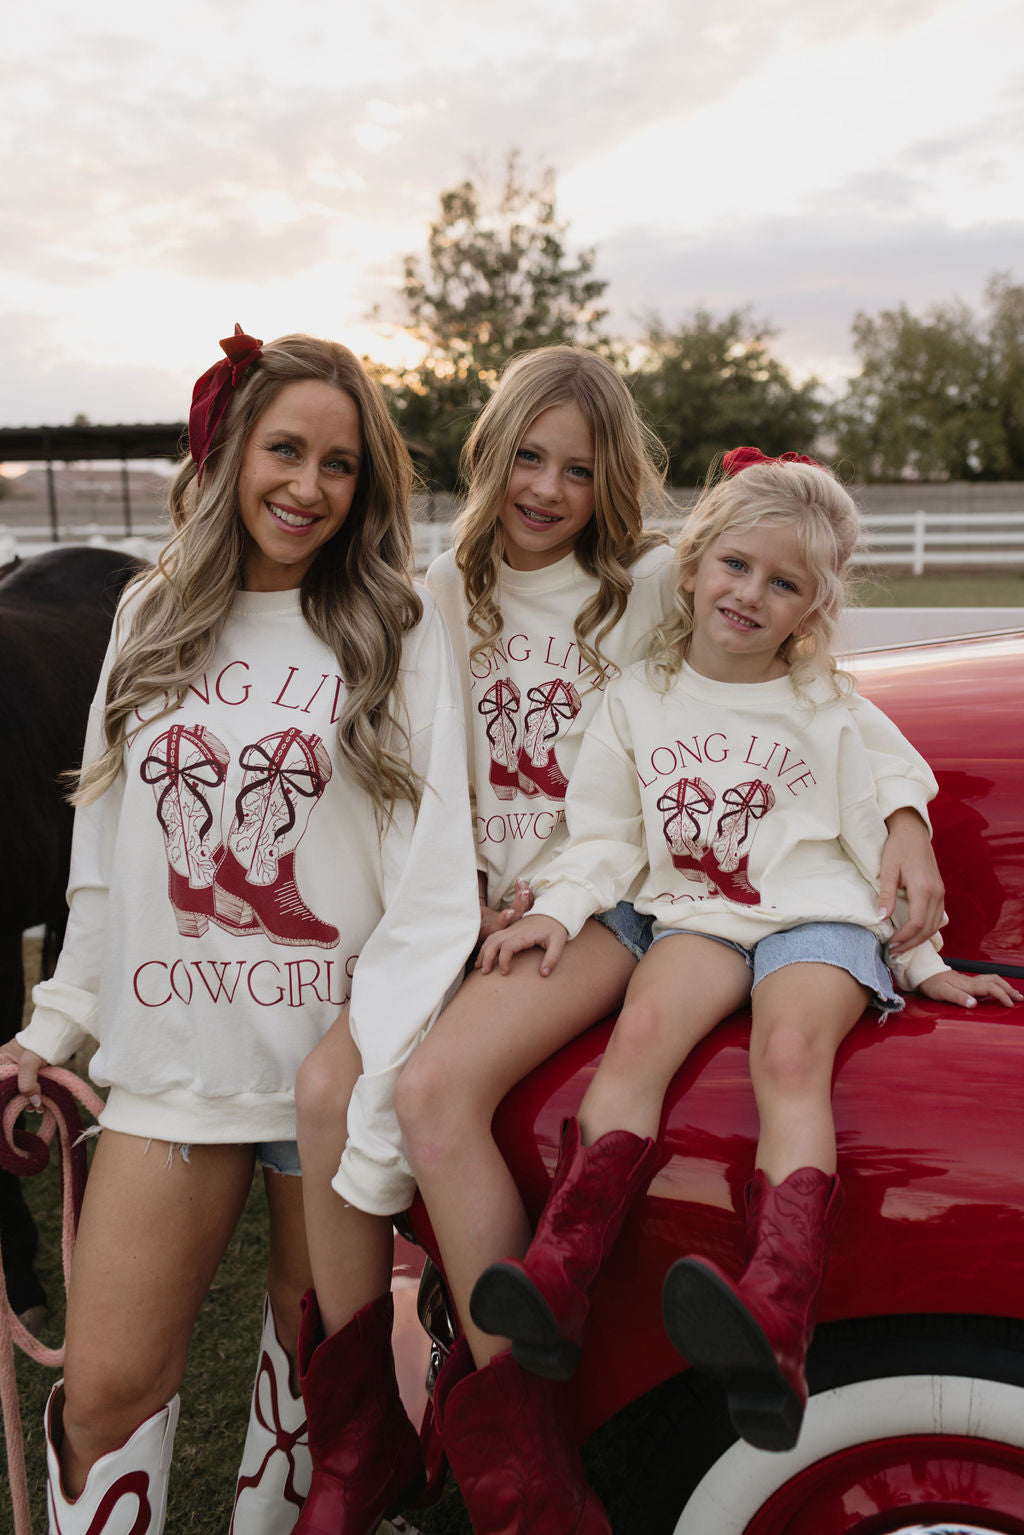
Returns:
(555, 704)
(686, 807)
(726, 861)
(186, 768)
(500, 708)
(285, 775)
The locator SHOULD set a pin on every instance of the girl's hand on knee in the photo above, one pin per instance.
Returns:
(28, 1064)
(532, 932)
(966, 990)
(492, 921)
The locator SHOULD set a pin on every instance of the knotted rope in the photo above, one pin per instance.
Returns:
(25, 1152)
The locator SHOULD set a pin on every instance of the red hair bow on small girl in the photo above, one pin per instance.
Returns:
(738, 459)
(212, 394)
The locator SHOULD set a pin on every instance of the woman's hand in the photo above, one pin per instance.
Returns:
(28, 1064)
(908, 863)
(532, 932)
(964, 990)
(492, 921)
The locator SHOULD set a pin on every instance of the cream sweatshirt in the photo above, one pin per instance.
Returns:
(529, 698)
(230, 892)
(735, 810)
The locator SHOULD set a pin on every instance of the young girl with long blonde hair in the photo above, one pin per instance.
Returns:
(727, 775)
(273, 770)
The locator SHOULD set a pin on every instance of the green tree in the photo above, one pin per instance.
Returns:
(497, 279)
(711, 384)
(939, 395)
(1005, 334)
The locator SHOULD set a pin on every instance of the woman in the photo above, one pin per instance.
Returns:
(274, 765)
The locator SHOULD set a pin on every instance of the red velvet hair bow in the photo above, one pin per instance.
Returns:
(212, 394)
(738, 459)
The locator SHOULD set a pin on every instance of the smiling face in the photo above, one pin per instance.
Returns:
(297, 481)
(751, 591)
(550, 494)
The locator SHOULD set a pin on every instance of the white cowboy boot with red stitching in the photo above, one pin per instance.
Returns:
(742, 806)
(555, 704)
(125, 1492)
(186, 767)
(500, 708)
(686, 809)
(285, 775)
(274, 1476)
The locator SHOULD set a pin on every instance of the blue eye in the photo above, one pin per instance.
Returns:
(340, 466)
(527, 455)
(581, 472)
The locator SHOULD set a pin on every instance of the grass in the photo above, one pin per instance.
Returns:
(981, 589)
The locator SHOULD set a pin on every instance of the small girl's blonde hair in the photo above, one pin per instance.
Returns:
(809, 499)
(629, 475)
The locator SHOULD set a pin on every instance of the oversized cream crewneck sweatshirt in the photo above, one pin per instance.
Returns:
(229, 893)
(530, 696)
(741, 809)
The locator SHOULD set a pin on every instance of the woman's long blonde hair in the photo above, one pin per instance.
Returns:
(805, 497)
(357, 596)
(629, 476)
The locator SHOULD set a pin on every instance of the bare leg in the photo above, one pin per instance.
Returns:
(801, 1015)
(289, 1274)
(152, 1232)
(495, 1030)
(679, 991)
(350, 1252)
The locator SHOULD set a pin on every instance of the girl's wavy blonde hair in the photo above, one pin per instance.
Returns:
(805, 497)
(357, 596)
(629, 475)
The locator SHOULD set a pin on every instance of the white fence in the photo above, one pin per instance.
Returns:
(920, 539)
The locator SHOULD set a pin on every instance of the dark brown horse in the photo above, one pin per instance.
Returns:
(55, 616)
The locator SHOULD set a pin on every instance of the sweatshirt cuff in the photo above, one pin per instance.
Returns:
(569, 904)
(61, 1023)
(903, 794)
(372, 1187)
(910, 969)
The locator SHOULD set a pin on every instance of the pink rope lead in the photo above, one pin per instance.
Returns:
(24, 1152)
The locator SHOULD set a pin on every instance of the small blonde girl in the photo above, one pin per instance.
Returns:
(728, 775)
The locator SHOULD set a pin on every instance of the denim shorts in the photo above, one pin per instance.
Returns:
(279, 1157)
(852, 948)
(276, 1156)
(629, 927)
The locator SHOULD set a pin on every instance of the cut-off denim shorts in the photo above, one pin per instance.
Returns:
(851, 948)
(629, 927)
(277, 1156)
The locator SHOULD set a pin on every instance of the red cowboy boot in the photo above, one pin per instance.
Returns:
(500, 707)
(285, 775)
(367, 1461)
(126, 1489)
(507, 1440)
(753, 1334)
(273, 1478)
(541, 1303)
(553, 703)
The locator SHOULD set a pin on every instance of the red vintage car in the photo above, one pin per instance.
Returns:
(916, 1418)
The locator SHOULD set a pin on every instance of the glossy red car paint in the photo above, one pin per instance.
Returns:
(929, 1112)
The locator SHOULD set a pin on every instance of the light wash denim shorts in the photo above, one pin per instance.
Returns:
(277, 1156)
(851, 948)
(629, 927)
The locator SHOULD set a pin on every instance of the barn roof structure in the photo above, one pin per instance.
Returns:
(82, 441)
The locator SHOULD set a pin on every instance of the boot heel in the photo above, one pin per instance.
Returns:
(506, 1303)
(232, 908)
(769, 1420)
(191, 924)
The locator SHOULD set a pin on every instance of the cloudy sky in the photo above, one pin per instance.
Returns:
(168, 170)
